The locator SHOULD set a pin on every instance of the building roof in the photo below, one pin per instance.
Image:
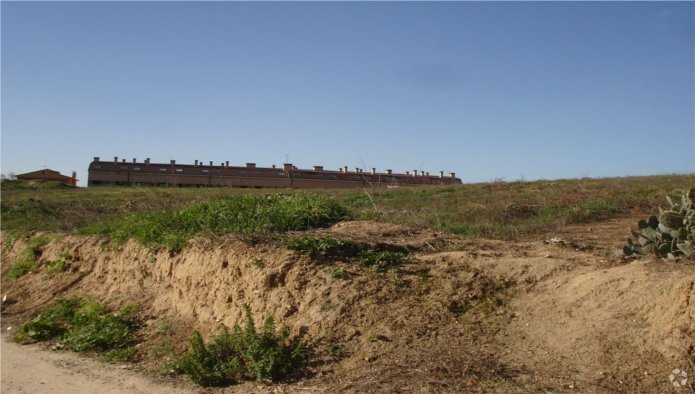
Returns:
(46, 174)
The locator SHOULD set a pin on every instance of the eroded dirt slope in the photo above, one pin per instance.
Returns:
(462, 315)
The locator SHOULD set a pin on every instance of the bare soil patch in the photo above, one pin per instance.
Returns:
(463, 315)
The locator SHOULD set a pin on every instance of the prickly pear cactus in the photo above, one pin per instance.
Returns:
(670, 234)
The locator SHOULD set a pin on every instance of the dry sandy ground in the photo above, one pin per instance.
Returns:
(31, 369)
(462, 315)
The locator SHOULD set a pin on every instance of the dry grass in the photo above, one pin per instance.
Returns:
(499, 210)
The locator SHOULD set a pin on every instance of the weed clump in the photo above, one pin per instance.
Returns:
(83, 325)
(246, 214)
(327, 249)
(242, 354)
(57, 266)
(26, 261)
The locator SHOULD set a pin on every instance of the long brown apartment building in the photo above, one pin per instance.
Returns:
(133, 173)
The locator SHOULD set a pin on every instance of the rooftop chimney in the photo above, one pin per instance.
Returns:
(452, 174)
(196, 163)
(147, 161)
(407, 173)
(210, 163)
(389, 172)
(357, 170)
(273, 165)
(226, 163)
(96, 158)
(441, 174)
(115, 159)
(373, 171)
(414, 172)
(123, 161)
(318, 168)
(73, 181)
(134, 160)
(250, 165)
(287, 167)
(172, 162)
(345, 169)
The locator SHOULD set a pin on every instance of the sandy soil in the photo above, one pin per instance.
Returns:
(544, 315)
(31, 369)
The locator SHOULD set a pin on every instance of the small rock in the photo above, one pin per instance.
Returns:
(9, 328)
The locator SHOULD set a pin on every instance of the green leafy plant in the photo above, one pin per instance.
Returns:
(327, 249)
(340, 272)
(324, 248)
(246, 353)
(60, 265)
(381, 260)
(668, 235)
(83, 325)
(26, 261)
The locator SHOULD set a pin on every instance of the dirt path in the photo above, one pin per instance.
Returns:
(29, 369)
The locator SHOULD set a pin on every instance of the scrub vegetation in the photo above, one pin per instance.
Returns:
(496, 210)
(82, 325)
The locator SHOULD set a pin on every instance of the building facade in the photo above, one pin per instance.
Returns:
(133, 173)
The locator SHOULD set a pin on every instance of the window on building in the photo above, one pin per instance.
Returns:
(162, 169)
(179, 170)
(136, 168)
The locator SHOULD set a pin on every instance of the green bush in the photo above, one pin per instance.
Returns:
(244, 214)
(246, 353)
(82, 325)
(327, 249)
(26, 261)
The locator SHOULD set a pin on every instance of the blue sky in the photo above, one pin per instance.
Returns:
(488, 90)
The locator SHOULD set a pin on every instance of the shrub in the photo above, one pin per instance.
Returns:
(26, 261)
(242, 354)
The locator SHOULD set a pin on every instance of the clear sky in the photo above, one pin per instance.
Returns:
(488, 90)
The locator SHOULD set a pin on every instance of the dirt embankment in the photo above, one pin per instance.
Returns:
(462, 315)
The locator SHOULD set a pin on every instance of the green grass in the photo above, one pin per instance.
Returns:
(498, 210)
(245, 214)
(26, 261)
(329, 249)
(82, 325)
(242, 354)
